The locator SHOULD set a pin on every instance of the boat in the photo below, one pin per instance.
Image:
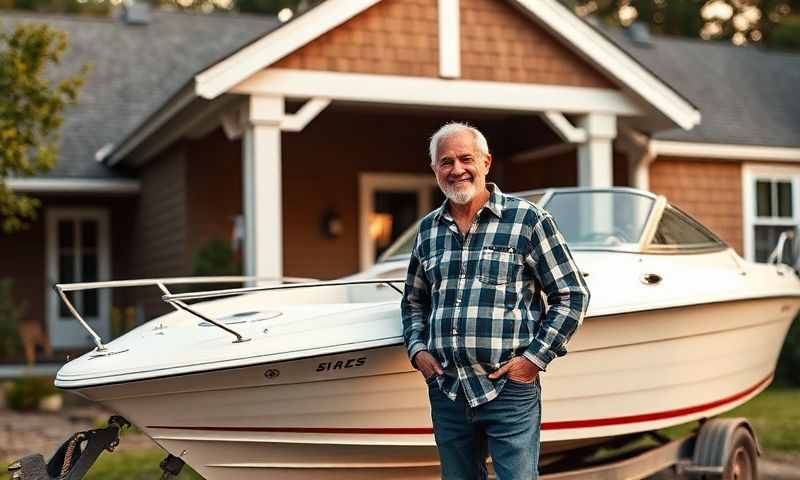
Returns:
(311, 379)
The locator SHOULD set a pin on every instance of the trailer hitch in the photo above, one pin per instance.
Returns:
(74, 458)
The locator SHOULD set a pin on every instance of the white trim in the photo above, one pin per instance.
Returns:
(309, 111)
(724, 151)
(612, 60)
(263, 205)
(75, 185)
(559, 123)
(368, 184)
(449, 39)
(594, 47)
(219, 78)
(636, 147)
(750, 174)
(421, 91)
(66, 332)
(596, 155)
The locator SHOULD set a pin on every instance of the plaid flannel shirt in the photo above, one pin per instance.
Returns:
(475, 302)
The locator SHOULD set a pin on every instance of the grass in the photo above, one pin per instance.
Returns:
(774, 414)
(131, 465)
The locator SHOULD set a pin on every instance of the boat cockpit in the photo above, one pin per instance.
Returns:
(616, 219)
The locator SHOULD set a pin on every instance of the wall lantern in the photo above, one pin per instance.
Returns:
(332, 226)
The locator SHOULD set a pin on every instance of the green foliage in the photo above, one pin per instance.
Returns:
(10, 314)
(788, 372)
(265, 6)
(30, 113)
(24, 394)
(767, 22)
(787, 34)
(215, 258)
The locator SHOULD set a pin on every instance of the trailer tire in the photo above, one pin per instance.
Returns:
(742, 463)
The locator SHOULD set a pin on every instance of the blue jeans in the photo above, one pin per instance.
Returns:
(507, 428)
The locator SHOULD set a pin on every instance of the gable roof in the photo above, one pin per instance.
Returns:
(748, 95)
(556, 18)
(135, 70)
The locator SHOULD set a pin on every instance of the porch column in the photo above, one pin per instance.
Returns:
(595, 155)
(263, 245)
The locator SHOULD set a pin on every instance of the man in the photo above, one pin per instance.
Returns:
(474, 320)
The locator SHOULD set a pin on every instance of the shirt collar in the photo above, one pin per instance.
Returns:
(495, 204)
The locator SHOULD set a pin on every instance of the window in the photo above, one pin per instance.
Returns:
(678, 229)
(770, 207)
(390, 204)
(78, 247)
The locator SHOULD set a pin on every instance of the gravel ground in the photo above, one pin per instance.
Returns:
(23, 434)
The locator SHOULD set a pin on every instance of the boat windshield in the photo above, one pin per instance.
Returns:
(600, 219)
(588, 219)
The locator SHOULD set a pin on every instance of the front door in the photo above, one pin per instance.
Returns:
(78, 250)
(390, 203)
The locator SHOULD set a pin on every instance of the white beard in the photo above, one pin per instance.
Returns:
(460, 196)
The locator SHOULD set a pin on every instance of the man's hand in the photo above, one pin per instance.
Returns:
(427, 364)
(518, 369)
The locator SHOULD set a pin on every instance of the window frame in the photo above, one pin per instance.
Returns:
(774, 173)
(717, 245)
(65, 331)
(371, 182)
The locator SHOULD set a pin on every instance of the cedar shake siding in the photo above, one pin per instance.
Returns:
(711, 191)
(213, 189)
(400, 37)
(158, 238)
(394, 37)
(498, 43)
(24, 261)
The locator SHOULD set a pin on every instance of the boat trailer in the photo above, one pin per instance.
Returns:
(724, 448)
(75, 457)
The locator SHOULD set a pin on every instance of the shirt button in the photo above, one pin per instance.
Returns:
(455, 331)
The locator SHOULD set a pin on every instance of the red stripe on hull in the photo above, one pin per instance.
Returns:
(600, 422)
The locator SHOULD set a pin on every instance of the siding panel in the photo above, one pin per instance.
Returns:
(711, 191)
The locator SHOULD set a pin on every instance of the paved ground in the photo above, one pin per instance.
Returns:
(23, 434)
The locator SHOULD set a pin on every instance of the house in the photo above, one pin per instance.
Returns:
(193, 128)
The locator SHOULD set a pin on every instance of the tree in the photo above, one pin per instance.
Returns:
(774, 23)
(31, 109)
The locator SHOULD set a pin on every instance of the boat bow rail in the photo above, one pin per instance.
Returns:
(177, 300)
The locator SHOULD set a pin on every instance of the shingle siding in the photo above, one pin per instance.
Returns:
(498, 43)
(395, 37)
(710, 191)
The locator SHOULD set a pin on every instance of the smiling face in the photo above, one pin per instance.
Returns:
(460, 167)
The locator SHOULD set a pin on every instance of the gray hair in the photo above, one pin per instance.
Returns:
(452, 128)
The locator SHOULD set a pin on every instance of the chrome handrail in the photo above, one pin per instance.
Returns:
(60, 288)
(777, 253)
(238, 291)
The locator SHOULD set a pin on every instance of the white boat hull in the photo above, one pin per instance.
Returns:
(365, 412)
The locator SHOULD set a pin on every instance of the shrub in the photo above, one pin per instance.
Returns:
(24, 394)
(9, 319)
(788, 371)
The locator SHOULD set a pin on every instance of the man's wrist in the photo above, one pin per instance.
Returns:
(541, 365)
(414, 350)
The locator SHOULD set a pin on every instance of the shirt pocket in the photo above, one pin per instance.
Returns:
(498, 265)
(433, 267)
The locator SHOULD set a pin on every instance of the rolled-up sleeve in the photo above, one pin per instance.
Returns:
(564, 288)
(415, 306)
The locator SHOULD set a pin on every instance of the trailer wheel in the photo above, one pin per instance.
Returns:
(725, 448)
(742, 463)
